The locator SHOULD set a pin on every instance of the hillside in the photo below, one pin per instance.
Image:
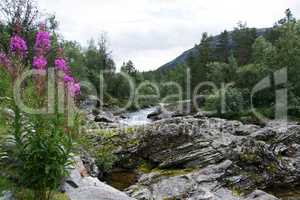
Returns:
(181, 59)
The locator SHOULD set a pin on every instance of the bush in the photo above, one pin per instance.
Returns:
(225, 101)
(103, 154)
(105, 159)
(4, 83)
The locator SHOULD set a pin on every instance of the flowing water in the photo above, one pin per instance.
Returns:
(138, 118)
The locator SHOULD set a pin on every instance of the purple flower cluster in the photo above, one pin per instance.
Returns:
(39, 63)
(42, 40)
(60, 64)
(72, 86)
(68, 78)
(42, 46)
(18, 46)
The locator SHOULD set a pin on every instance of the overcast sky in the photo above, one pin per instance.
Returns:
(153, 32)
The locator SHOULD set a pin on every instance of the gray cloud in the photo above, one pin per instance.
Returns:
(152, 32)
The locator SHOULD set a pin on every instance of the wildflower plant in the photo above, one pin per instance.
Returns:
(38, 148)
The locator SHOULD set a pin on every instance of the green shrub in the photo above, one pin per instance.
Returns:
(39, 153)
(23, 194)
(4, 184)
(225, 101)
(105, 159)
(4, 83)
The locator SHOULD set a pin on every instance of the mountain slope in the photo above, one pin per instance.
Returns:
(181, 59)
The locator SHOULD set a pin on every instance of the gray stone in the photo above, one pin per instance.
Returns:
(103, 118)
(80, 186)
(90, 164)
(260, 195)
(7, 195)
(198, 185)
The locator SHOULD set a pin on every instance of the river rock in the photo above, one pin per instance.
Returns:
(201, 184)
(165, 111)
(187, 141)
(260, 195)
(7, 195)
(103, 118)
(81, 186)
(159, 114)
(90, 165)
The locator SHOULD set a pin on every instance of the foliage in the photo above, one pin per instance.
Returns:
(22, 194)
(128, 68)
(243, 38)
(222, 50)
(37, 150)
(223, 72)
(4, 184)
(264, 53)
(223, 101)
(103, 154)
(244, 57)
(105, 159)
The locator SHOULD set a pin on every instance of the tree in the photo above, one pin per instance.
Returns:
(288, 47)
(98, 59)
(129, 68)
(201, 58)
(222, 51)
(105, 54)
(74, 52)
(243, 38)
(204, 48)
(223, 72)
(264, 54)
(289, 17)
(22, 12)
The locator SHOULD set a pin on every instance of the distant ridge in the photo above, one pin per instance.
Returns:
(184, 56)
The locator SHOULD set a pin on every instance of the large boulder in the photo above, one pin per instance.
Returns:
(7, 195)
(79, 185)
(165, 111)
(159, 114)
(105, 117)
(188, 141)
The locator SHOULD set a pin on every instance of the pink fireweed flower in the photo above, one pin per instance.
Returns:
(60, 64)
(39, 63)
(68, 79)
(42, 41)
(18, 46)
(73, 89)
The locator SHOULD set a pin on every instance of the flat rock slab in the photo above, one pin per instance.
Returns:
(80, 186)
(99, 191)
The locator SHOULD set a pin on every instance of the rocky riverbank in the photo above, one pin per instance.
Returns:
(195, 157)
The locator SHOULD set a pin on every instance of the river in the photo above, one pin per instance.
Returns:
(138, 118)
